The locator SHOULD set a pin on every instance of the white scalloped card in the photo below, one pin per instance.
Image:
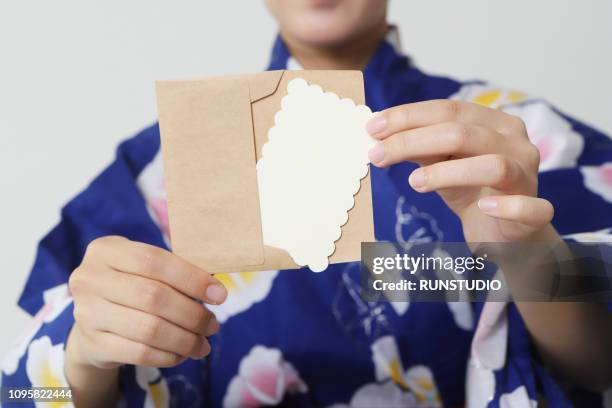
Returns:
(311, 168)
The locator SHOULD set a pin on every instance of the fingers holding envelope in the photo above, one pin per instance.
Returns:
(427, 113)
(437, 142)
(442, 129)
(467, 153)
(490, 170)
(532, 212)
(134, 296)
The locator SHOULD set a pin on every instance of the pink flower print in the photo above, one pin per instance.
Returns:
(559, 145)
(263, 380)
(159, 207)
(598, 179)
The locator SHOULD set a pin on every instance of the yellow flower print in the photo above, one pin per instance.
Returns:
(244, 289)
(417, 380)
(421, 382)
(45, 367)
(152, 382)
(490, 96)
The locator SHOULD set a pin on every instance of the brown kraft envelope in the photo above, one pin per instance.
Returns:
(212, 132)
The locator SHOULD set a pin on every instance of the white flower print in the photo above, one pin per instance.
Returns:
(381, 395)
(559, 145)
(243, 290)
(603, 236)
(56, 300)
(598, 179)
(413, 226)
(154, 384)
(519, 398)
(417, 381)
(487, 355)
(45, 367)
(463, 314)
(263, 380)
(480, 385)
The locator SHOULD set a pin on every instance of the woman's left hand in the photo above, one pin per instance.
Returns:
(478, 159)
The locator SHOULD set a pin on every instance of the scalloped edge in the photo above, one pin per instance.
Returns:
(365, 173)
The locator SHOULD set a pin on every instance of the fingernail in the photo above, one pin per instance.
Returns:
(417, 179)
(487, 204)
(216, 293)
(377, 153)
(377, 124)
(204, 348)
(212, 327)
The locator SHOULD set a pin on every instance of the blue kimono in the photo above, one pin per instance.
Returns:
(300, 339)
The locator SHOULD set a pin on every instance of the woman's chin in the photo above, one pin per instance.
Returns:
(324, 37)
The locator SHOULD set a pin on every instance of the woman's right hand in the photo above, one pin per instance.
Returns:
(139, 304)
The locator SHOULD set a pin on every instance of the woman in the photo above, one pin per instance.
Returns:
(120, 317)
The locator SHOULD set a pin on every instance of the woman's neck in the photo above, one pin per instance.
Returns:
(354, 55)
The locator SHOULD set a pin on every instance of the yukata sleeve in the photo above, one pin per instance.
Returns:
(36, 359)
(576, 177)
(113, 204)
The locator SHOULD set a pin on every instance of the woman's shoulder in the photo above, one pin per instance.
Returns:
(140, 149)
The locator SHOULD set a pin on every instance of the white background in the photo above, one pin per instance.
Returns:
(76, 77)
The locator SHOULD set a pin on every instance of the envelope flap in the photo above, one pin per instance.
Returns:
(264, 84)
